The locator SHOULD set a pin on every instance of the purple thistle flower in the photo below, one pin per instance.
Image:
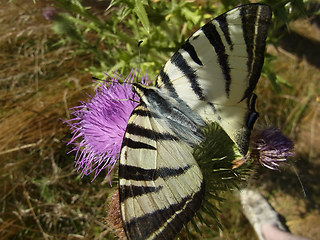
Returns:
(101, 122)
(271, 147)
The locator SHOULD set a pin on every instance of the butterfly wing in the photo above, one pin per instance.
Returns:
(216, 70)
(161, 185)
(210, 78)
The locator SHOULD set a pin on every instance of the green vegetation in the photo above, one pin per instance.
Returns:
(47, 67)
(113, 40)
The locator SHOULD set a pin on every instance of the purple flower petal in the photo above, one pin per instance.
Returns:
(271, 147)
(101, 122)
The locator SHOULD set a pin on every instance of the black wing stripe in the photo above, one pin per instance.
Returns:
(223, 24)
(192, 52)
(140, 174)
(260, 44)
(215, 111)
(178, 60)
(164, 78)
(134, 191)
(136, 145)
(170, 220)
(148, 133)
(140, 112)
(256, 15)
(248, 18)
(214, 38)
(136, 173)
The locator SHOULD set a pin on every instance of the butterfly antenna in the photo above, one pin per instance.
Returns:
(97, 79)
(107, 80)
(139, 56)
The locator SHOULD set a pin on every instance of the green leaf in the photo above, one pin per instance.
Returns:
(113, 3)
(142, 15)
(191, 15)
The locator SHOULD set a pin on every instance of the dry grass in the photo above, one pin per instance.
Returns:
(42, 197)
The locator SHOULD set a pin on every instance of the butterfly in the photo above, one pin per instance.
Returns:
(211, 78)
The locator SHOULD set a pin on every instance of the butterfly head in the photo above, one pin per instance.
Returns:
(138, 89)
(145, 93)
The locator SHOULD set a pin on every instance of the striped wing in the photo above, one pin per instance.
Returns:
(210, 78)
(161, 184)
(217, 69)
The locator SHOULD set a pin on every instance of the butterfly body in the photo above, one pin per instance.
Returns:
(211, 78)
(177, 116)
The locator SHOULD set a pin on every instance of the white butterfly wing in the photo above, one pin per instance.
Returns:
(160, 182)
(218, 67)
(209, 79)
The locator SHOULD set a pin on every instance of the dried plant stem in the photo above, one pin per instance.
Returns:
(21, 147)
(26, 194)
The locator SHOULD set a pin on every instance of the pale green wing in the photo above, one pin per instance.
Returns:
(161, 185)
(216, 70)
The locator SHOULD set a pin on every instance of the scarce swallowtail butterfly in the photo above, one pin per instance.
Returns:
(211, 78)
